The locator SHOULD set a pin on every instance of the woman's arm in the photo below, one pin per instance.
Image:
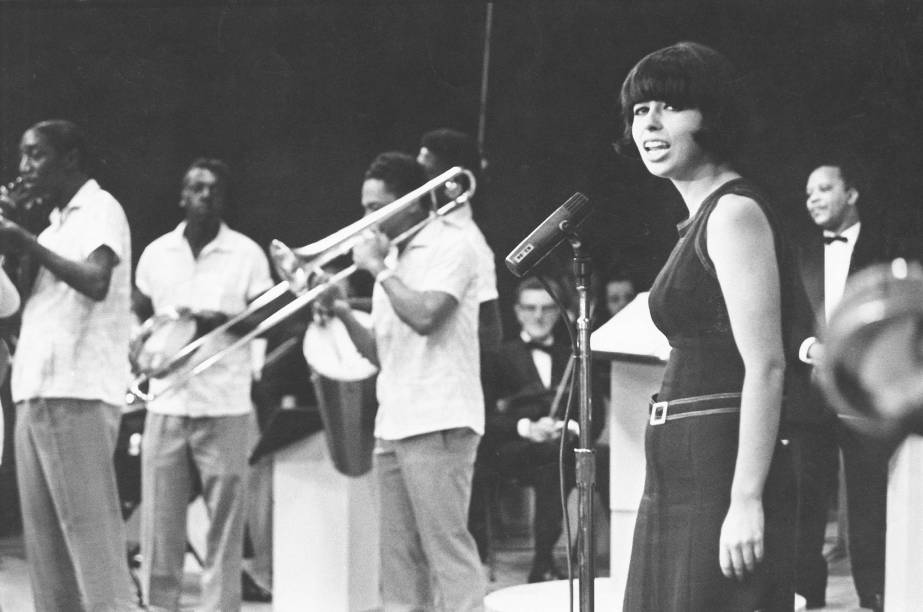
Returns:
(740, 243)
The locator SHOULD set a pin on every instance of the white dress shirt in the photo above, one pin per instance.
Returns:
(541, 359)
(837, 257)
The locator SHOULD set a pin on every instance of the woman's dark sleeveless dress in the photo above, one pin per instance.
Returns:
(690, 461)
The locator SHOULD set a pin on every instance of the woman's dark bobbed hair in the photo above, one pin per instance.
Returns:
(689, 75)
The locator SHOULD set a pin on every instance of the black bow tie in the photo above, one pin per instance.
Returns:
(538, 346)
(837, 238)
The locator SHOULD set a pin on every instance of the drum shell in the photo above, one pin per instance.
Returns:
(344, 384)
(348, 408)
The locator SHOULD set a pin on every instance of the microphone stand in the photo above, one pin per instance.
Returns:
(584, 454)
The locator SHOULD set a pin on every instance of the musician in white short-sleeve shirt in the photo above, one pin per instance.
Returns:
(69, 376)
(431, 410)
(211, 272)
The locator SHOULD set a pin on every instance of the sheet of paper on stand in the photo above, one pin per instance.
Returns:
(631, 333)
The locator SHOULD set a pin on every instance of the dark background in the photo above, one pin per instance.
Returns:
(299, 97)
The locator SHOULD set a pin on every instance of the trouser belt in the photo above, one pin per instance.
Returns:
(699, 405)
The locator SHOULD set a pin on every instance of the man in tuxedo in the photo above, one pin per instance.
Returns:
(524, 424)
(845, 247)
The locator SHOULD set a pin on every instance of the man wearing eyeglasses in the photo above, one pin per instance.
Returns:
(524, 423)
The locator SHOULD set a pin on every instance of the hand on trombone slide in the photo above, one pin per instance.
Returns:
(331, 301)
(206, 320)
(370, 251)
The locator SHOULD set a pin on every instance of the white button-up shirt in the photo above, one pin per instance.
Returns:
(430, 383)
(484, 255)
(230, 271)
(70, 345)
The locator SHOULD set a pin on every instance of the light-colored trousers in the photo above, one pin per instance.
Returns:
(172, 450)
(259, 514)
(72, 524)
(429, 559)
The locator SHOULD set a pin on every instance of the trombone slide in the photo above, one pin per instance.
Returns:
(292, 268)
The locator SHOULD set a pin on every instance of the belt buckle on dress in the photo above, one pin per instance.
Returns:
(659, 413)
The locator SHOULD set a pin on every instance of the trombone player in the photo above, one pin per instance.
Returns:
(430, 417)
(205, 268)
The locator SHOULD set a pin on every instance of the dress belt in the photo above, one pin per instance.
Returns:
(699, 405)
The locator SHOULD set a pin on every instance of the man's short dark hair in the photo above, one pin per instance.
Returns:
(851, 170)
(399, 172)
(619, 273)
(214, 165)
(65, 137)
(689, 75)
(531, 283)
(453, 148)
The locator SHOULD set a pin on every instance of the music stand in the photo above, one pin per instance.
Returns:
(285, 426)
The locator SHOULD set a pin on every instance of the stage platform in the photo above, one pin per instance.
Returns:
(514, 554)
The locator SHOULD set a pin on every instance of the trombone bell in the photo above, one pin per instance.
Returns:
(289, 266)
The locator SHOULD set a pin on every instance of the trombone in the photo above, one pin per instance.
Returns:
(297, 267)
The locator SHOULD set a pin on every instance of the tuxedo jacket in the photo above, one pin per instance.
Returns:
(512, 376)
(870, 248)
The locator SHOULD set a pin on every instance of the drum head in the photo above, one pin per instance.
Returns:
(331, 353)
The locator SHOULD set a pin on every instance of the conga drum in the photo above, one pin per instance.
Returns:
(344, 383)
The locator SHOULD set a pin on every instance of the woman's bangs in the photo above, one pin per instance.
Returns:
(659, 81)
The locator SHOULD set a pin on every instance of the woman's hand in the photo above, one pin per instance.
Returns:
(741, 545)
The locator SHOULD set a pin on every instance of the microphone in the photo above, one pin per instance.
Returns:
(548, 235)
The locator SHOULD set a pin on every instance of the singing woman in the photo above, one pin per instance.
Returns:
(714, 529)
